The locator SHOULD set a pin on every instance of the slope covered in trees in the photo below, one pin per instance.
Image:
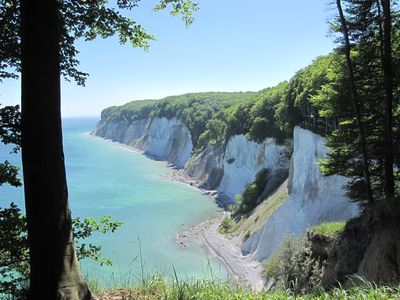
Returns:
(272, 112)
(195, 110)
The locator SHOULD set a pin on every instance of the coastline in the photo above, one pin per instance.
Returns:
(242, 270)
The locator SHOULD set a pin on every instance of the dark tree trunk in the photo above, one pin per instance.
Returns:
(388, 83)
(355, 103)
(54, 270)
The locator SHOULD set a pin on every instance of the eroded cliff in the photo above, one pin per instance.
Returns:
(312, 199)
(161, 138)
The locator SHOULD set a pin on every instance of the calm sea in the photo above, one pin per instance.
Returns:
(105, 178)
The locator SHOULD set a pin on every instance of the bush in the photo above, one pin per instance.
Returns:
(226, 225)
(293, 267)
(247, 235)
(248, 200)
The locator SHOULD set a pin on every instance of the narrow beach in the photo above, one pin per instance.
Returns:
(243, 270)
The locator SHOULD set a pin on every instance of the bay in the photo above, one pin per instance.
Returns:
(106, 178)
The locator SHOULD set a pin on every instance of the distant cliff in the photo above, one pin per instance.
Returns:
(164, 139)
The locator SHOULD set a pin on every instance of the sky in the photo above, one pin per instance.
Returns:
(233, 45)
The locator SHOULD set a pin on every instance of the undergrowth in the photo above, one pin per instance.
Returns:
(158, 288)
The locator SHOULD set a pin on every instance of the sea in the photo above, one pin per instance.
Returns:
(108, 179)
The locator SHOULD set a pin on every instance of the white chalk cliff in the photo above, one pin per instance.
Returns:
(164, 139)
(244, 159)
(229, 169)
(313, 198)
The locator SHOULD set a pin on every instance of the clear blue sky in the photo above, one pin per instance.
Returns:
(233, 45)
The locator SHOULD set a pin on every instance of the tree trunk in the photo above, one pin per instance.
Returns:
(388, 83)
(355, 103)
(54, 270)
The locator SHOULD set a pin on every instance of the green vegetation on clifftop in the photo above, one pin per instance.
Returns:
(194, 110)
(329, 229)
(214, 117)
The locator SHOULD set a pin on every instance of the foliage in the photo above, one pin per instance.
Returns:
(249, 198)
(10, 125)
(364, 20)
(309, 98)
(293, 267)
(158, 288)
(85, 20)
(14, 255)
(247, 234)
(194, 110)
(329, 229)
(185, 8)
(83, 229)
(10, 133)
(226, 225)
(314, 97)
(255, 117)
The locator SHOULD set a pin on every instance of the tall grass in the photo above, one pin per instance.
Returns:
(159, 288)
(330, 229)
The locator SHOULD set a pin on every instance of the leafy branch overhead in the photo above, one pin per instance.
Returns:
(185, 8)
(82, 19)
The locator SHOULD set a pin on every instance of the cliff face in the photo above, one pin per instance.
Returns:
(226, 168)
(313, 198)
(244, 159)
(229, 169)
(161, 138)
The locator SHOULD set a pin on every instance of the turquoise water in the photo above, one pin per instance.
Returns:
(105, 178)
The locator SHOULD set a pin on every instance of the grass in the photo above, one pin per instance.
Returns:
(329, 229)
(261, 214)
(157, 288)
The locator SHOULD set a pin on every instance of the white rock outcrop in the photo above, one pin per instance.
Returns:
(244, 159)
(313, 198)
(206, 167)
(162, 138)
(230, 168)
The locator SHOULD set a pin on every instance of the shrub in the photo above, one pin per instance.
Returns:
(232, 208)
(293, 267)
(226, 225)
(248, 200)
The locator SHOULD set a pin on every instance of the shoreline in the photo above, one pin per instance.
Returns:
(242, 270)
